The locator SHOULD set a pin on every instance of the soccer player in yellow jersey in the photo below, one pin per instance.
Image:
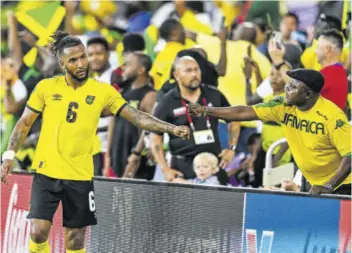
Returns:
(317, 131)
(71, 106)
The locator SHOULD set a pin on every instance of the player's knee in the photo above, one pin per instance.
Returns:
(75, 240)
(39, 234)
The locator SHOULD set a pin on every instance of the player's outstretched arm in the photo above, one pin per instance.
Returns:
(235, 113)
(17, 138)
(148, 122)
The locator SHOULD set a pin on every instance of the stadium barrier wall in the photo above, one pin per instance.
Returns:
(140, 216)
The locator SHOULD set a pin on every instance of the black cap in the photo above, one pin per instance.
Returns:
(312, 78)
(332, 21)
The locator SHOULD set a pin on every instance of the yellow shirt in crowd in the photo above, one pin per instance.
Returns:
(190, 22)
(233, 84)
(70, 120)
(229, 9)
(163, 63)
(318, 138)
(272, 132)
(309, 57)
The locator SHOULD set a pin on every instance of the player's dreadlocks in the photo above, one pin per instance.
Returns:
(63, 40)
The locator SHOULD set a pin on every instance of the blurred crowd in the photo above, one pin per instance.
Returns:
(136, 46)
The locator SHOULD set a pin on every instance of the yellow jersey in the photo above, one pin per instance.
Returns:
(318, 138)
(163, 63)
(233, 84)
(309, 58)
(70, 120)
(272, 132)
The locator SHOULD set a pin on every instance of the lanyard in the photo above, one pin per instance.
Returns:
(189, 118)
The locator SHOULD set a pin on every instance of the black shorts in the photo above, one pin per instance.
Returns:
(77, 198)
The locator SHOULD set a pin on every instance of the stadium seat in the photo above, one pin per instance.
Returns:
(273, 176)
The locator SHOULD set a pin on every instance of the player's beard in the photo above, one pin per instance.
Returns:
(129, 80)
(76, 78)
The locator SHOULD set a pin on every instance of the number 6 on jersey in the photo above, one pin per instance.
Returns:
(71, 114)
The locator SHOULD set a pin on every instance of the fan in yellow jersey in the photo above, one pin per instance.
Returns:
(71, 106)
(317, 131)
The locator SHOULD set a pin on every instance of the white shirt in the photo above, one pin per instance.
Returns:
(298, 178)
(19, 90)
(105, 77)
(265, 89)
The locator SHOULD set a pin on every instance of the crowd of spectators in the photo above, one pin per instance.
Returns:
(162, 55)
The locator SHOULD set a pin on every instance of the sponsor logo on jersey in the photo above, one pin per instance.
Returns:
(57, 97)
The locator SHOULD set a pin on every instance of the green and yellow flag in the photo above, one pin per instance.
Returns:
(42, 19)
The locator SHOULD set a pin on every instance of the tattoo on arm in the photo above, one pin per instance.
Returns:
(21, 130)
(146, 121)
(16, 139)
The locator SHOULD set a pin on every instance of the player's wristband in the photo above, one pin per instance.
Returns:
(8, 155)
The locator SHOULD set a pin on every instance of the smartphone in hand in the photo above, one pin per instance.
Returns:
(277, 37)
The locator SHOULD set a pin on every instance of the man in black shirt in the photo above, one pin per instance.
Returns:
(123, 136)
(205, 138)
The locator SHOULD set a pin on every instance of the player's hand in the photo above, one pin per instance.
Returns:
(133, 163)
(6, 168)
(226, 156)
(196, 109)
(318, 189)
(182, 131)
(276, 53)
(171, 174)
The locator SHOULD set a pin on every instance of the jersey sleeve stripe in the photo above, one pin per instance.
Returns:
(32, 109)
(348, 155)
(120, 109)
